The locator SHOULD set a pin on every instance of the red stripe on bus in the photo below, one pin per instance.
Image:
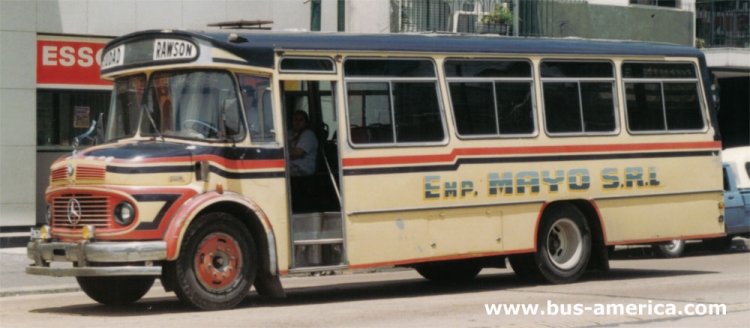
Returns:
(451, 157)
(227, 163)
(439, 258)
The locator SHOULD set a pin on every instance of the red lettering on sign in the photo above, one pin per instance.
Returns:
(69, 63)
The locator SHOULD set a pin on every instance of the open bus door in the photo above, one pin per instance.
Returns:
(315, 200)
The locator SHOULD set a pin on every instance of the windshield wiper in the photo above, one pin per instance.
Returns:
(153, 123)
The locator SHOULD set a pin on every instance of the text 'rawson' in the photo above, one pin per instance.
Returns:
(165, 49)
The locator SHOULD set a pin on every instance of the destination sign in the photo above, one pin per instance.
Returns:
(166, 49)
(113, 57)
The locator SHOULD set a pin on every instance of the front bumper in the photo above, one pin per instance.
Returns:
(96, 259)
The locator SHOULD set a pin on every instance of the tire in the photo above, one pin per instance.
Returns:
(449, 272)
(673, 249)
(718, 245)
(115, 290)
(217, 264)
(563, 245)
(525, 267)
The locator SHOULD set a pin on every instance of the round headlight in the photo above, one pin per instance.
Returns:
(124, 213)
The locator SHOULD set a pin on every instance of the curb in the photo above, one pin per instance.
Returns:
(39, 290)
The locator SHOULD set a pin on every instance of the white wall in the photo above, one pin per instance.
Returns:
(368, 16)
(17, 112)
(682, 4)
(117, 17)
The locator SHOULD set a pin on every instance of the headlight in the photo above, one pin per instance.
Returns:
(124, 213)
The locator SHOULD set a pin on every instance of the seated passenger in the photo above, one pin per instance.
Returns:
(303, 146)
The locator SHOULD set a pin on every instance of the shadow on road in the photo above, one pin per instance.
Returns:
(358, 291)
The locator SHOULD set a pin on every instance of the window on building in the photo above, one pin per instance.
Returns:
(64, 114)
(490, 97)
(662, 97)
(393, 101)
(578, 97)
(660, 3)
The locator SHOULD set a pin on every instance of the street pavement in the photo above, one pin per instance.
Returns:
(403, 299)
(14, 281)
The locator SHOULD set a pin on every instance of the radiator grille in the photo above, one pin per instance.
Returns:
(60, 174)
(95, 210)
(89, 172)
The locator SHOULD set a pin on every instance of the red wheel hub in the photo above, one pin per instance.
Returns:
(218, 262)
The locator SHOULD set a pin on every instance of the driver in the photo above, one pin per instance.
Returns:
(303, 146)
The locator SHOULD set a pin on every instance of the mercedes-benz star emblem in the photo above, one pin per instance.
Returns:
(74, 211)
(70, 170)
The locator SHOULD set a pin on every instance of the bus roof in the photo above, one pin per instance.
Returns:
(259, 47)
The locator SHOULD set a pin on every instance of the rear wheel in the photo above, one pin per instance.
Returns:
(449, 272)
(217, 266)
(672, 249)
(563, 248)
(115, 290)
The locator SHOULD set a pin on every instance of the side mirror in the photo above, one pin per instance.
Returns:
(231, 124)
(99, 136)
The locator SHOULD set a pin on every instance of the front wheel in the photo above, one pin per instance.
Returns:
(115, 290)
(217, 265)
(672, 249)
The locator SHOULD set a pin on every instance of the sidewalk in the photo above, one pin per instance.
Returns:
(15, 281)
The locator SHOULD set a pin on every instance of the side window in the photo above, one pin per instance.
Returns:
(491, 97)
(662, 97)
(392, 101)
(727, 186)
(256, 98)
(579, 97)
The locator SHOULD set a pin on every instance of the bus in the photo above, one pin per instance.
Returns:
(234, 158)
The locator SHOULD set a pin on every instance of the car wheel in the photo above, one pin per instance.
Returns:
(672, 249)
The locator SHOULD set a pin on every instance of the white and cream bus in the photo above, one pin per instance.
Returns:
(446, 154)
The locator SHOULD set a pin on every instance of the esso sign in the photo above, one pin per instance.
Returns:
(69, 61)
(53, 55)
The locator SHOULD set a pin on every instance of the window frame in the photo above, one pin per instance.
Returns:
(235, 81)
(494, 80)
(295, 71)
(677, 4)
(248, 135)
(578, 80)
(390, 80)
(661, 81)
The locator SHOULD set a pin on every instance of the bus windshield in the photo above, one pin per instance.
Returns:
(125, 106)
(192, 104)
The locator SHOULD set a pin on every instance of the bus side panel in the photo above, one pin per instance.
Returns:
(265, 193)
(419, 236)
(684, 201)
(658, 218)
